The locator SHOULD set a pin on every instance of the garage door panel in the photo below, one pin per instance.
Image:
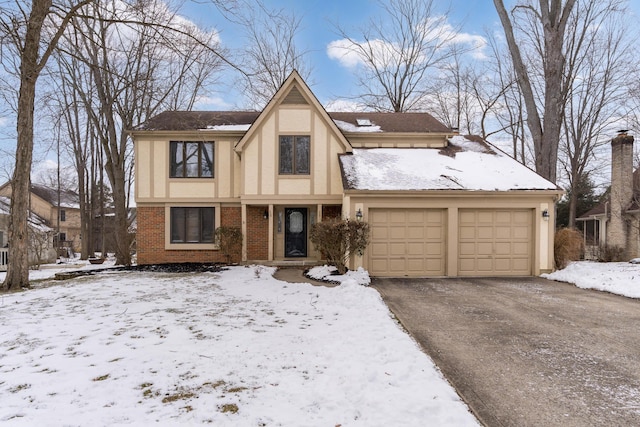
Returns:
(503, 233)
(415, 248)
(397, 217)
(397, 249)
(413, 242)
(466, 248)
(467, 232)
(416, 232)
(397, 265)
(502, 244)
(520, 248)
(484, 232)
(503, 248)
(521, 232)
(484, 248)
(378, 249)
(434, 249)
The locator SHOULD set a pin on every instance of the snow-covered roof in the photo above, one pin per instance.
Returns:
(68, 198)
(466, 164)
(35, 221)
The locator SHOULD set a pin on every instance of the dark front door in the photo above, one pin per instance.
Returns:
(295, 232)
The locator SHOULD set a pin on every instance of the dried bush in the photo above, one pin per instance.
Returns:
(337, 239)
(607, 253)
(229, 240)
(568, 246)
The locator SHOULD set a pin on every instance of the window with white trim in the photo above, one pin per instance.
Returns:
(295, 155)
(192, 224)
(191, 159)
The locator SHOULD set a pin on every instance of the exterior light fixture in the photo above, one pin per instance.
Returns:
(265, 215)
(545, 215)
(359, 215)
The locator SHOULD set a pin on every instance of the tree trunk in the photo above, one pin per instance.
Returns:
(18, 268)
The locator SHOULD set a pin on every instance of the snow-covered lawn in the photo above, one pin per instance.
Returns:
(236, 348)
(620, 278)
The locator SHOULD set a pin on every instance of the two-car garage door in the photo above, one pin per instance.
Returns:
(413, 242)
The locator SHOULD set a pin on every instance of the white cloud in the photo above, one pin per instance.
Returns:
(436, 30)
(212, 103)
(344, 105)
(344, 52)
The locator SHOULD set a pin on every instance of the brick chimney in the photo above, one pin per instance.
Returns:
(621, 188)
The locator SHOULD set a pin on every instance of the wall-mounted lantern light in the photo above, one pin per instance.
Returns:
(545, 215)
(359, 215)
(265, 215)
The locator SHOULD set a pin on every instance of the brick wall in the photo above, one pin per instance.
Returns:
(257, 234)
(151, 238)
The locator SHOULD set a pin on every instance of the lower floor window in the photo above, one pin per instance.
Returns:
(192, 225)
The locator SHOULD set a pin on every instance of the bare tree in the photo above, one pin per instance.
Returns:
(543, 28)
(24, 29)
(141, 59)
(270, 53)
(597, 97)
(393, 55)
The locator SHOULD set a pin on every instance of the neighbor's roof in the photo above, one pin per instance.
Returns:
(468, 163)
(68, 198)
(242, 120)
(602, 208)
(35, 220)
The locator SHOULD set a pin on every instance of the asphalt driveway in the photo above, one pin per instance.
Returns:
(527, 351)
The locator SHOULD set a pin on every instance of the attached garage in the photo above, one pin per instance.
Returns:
(466, 209)
(407, 242)
(495, 242)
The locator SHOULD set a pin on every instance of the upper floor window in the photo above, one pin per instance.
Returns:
(192, 225)
(63, 215)
(191, 159)
(294, 155)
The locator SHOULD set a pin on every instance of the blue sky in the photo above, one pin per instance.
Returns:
(330, 79)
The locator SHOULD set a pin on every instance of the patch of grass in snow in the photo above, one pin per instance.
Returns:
(228, 407)
(19, 387)
(101, 378)
(236, 389)
(214, 385)
(181, 395)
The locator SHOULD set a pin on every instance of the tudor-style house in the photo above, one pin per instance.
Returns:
(60, 210)
(439, 204)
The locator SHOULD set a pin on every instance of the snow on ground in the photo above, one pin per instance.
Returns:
(620, 278)
(328, 274)
(236, 348)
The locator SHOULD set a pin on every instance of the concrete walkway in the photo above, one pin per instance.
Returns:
(296, 275)
(527, 352)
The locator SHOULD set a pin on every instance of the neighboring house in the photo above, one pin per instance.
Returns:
(438, 204)
(615, 223)
(47, 203)
(41, 247)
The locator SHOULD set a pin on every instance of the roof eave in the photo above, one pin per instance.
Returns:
(455, 193)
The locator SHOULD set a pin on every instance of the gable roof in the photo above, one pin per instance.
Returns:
(466, 164)
(293, 90)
